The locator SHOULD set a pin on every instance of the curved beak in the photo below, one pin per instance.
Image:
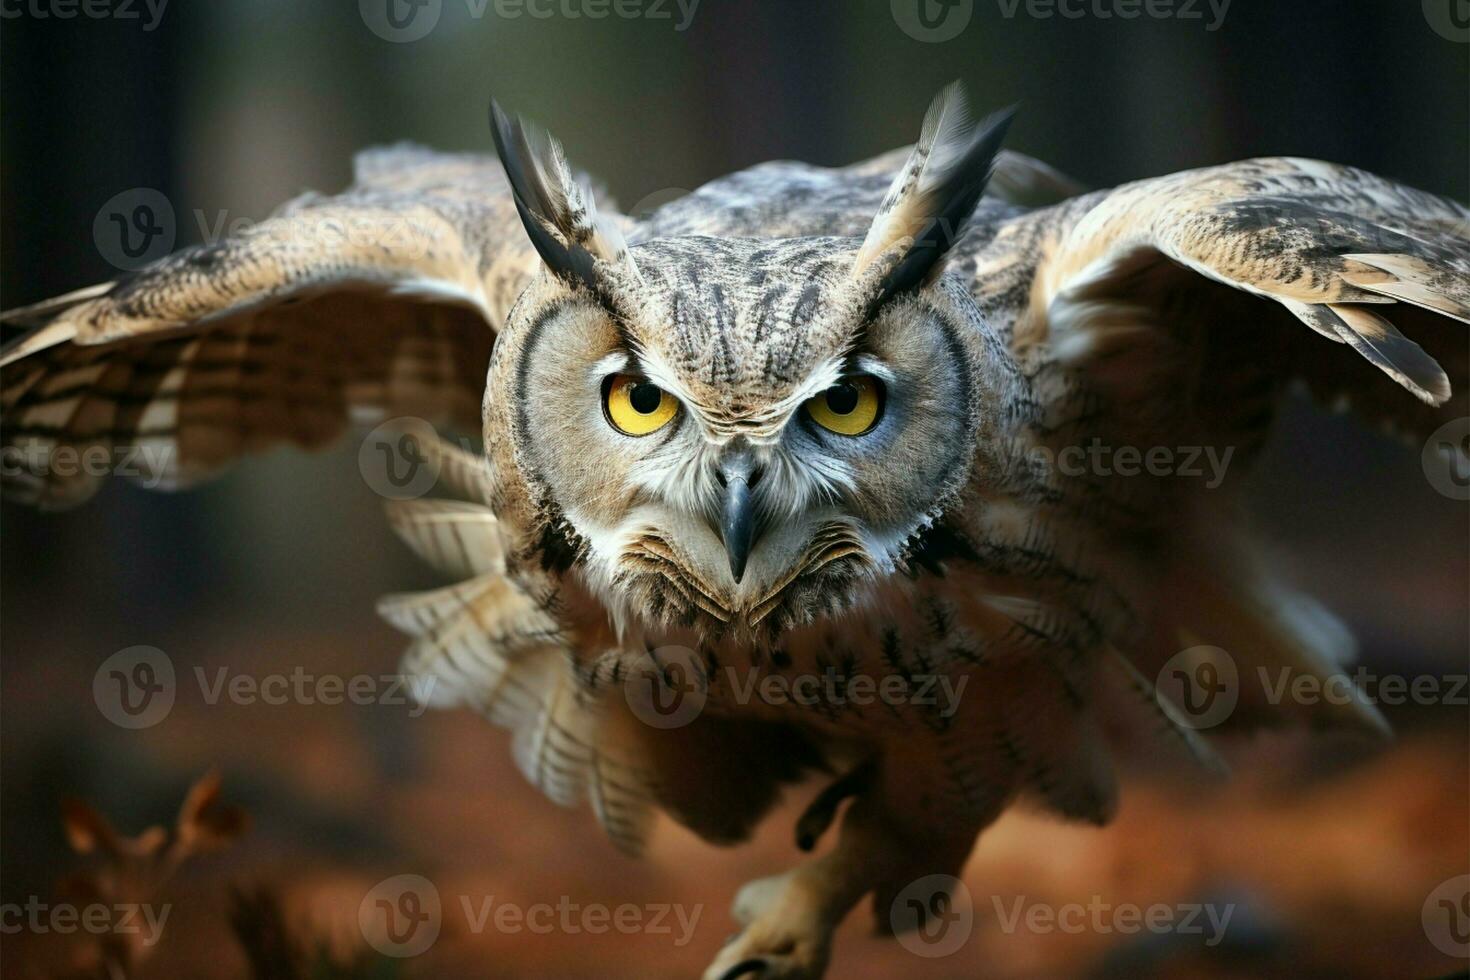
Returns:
(737, 522)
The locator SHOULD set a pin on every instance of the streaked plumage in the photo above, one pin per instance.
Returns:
(943, 543)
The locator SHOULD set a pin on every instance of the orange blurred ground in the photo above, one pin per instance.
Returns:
(1326, 875)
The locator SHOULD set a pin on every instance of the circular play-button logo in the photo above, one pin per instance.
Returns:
(134, 688)
(669, 689)
(933, 916)
(401, 916)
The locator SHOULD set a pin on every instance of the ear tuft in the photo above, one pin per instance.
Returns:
(934, 195)
(556, 206)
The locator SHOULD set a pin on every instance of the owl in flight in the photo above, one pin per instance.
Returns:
(874, 474)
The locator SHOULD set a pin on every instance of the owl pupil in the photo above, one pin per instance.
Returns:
(842, 398)
(645, 398)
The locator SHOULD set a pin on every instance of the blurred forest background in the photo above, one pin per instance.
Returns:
(232, 106)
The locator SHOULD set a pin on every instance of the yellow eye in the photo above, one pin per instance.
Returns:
(850, 407)
(637, 407)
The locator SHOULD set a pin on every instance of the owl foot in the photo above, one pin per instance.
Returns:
(789, 918)
(772, 950)
(787, 934)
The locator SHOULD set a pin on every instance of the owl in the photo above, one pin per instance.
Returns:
(890, 476)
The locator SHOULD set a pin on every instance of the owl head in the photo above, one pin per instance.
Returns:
(741, 434)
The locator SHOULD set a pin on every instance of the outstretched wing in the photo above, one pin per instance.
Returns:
(376, 302)
(1199, 295)
(1173, 313)
(379, 302)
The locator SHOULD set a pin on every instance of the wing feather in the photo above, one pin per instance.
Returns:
(376, 302)
(1412, 280)
(493, 642)
(1352, 255)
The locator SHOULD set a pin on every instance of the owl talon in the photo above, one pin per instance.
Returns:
(820, 813)
(745, 968)
(770, 967)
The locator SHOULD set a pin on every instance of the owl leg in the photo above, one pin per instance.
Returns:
(823, 810)
(789, 918)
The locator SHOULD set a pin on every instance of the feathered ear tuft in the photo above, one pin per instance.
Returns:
(556, 207)
(935, 193)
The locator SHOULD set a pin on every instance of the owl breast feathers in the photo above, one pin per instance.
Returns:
(878, 468)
